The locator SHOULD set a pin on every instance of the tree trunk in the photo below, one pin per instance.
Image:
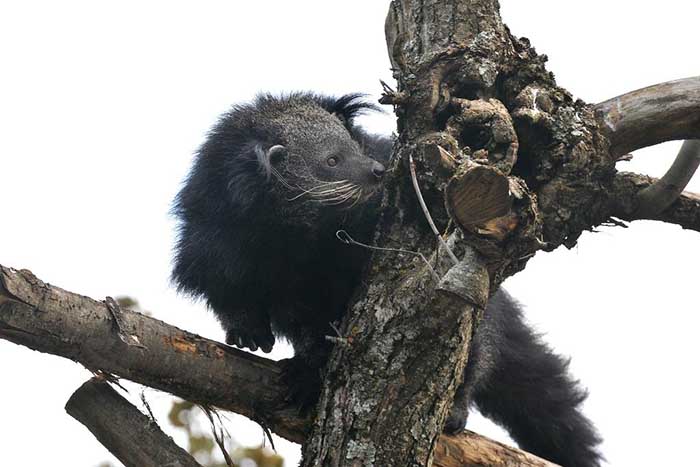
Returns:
(490, 153)
(46, 318)
(386, 394)
(508, 164)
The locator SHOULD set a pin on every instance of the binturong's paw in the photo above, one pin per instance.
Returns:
(303, 381)
(251, 339)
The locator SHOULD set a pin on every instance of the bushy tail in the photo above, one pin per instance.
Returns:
(531, 394)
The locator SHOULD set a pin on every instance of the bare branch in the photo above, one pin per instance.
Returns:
(685, 211)
(127, 433)
(49, 319)
(661, 194)
(470, 449)
(52, 320)
(652, 115)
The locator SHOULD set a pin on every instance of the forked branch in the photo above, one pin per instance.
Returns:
(661, 194)
(52, 320)
(684, 211)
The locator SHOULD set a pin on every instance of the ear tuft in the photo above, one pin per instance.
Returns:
(348, 107)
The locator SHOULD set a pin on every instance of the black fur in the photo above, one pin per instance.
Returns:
(518, 382)
(259, 245)
(266, 265)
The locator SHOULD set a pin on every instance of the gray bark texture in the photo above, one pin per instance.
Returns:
(507, 164)
(131, 436)
(49, 319)
(52, 320)
(459, 71)
(652, 115)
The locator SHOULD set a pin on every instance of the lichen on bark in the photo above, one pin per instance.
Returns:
(472, 102)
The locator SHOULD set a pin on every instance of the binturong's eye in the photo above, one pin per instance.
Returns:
(332, 161)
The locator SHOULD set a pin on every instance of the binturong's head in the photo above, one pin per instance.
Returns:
(316, 156)
(295, 159)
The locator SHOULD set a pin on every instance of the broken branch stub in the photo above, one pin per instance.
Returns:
(476, 195)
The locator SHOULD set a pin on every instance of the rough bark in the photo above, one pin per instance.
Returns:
(471, 100)
(131, 436)
(52, 320)
(48, 319)
(624, 203)
(483, 119)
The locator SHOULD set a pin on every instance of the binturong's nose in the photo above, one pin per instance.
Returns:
(378, 169)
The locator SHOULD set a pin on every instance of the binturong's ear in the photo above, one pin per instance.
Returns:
(269, 157)
(276, 153)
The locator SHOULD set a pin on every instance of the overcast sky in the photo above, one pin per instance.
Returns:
(102, 106)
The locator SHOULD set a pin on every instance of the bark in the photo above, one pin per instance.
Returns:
(482, 119)
(468, 449)
(131, 436)
(661, 194)
(48, 319)
(474, 104)
(624, 204)
(52, 320)
(652, 115)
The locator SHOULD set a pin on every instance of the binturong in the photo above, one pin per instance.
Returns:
(258, 215)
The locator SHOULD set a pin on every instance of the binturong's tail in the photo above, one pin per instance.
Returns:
(530, 393)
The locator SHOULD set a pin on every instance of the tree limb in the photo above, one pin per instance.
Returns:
(662, 193)
(127, 433)
(51, 320)
(684, 211)
(652, 115)
(469, 449)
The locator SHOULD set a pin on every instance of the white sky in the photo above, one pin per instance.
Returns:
(102, 106)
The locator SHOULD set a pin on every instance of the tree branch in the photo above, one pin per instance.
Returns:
(49, 319)
(52, 320)
(685, 211)
(661, 194)
(652, 115)
(469, 449)
(132, 437)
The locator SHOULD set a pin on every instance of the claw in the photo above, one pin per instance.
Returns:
(243, 340)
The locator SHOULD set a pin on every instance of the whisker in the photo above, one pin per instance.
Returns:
(279, 177)
(357, 198)
(330, 185)
(341, 198)
(334, 191)
(310, 192)
(329, 193)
